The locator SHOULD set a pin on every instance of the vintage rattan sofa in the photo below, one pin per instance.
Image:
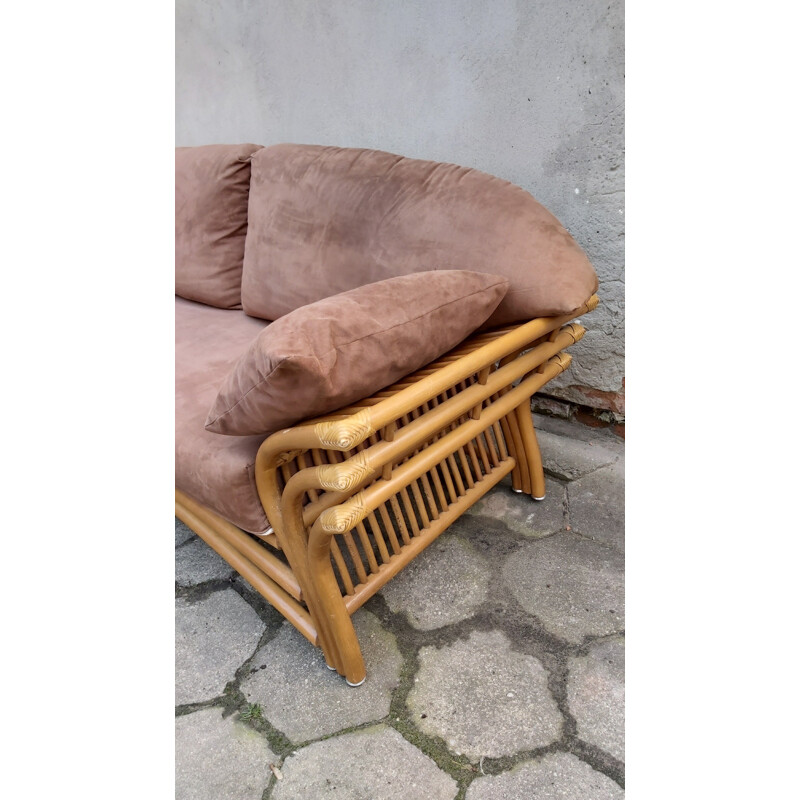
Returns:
(318, 516)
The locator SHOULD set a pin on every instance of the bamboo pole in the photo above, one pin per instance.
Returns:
(387, 571)
(533, 455)
(254, 552)
(341, 518)
(350, 661)
(408, 438)
(344, 433)
(263, 584)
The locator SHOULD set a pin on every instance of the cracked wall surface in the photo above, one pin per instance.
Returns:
(495, 661)
(532, 92)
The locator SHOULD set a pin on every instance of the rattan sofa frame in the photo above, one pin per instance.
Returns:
(354, 496)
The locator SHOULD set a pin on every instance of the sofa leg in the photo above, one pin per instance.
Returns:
(332, 611)
(350, 659)
(530, 451)
(520, 480)
(516, 481)
(326, 636)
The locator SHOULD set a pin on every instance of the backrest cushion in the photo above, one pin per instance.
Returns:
(212, 185)
(323, 220)
(325, 355)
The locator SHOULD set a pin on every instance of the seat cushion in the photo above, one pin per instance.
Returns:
(323, 220)
(212, 185)
(344, 348)
(218, 471)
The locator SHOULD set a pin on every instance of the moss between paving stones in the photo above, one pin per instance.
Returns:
(459, 767)
(233, 700)
(213, 636)
(485, 697)
(305, 700)
(501, 612)
(528, 637)
(551, 776)
(218, 756)
(401, 719)
(444, 588)
(569, 582)
(379, 740)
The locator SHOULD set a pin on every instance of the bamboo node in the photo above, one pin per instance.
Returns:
(340, 519)
(563, 360)
(575, 331)
(344, 476)
(345, 434)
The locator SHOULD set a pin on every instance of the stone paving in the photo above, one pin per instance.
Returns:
(495, 661)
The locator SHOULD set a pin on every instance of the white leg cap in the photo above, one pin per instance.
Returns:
(356, 684)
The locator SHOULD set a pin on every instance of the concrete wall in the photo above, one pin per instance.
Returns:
(530, 91)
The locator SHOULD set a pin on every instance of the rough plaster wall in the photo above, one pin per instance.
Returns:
(530, 91)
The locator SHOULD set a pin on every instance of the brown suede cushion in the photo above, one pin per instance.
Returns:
(344, 348)
(323, 220)
(218, 471)
(212, 184)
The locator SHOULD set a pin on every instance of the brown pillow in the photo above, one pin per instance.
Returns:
(344, 217)
(344, 348)
(212, 184)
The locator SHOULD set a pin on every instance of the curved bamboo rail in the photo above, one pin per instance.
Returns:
(354, 496)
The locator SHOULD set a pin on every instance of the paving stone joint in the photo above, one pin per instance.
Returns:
(495, 661)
